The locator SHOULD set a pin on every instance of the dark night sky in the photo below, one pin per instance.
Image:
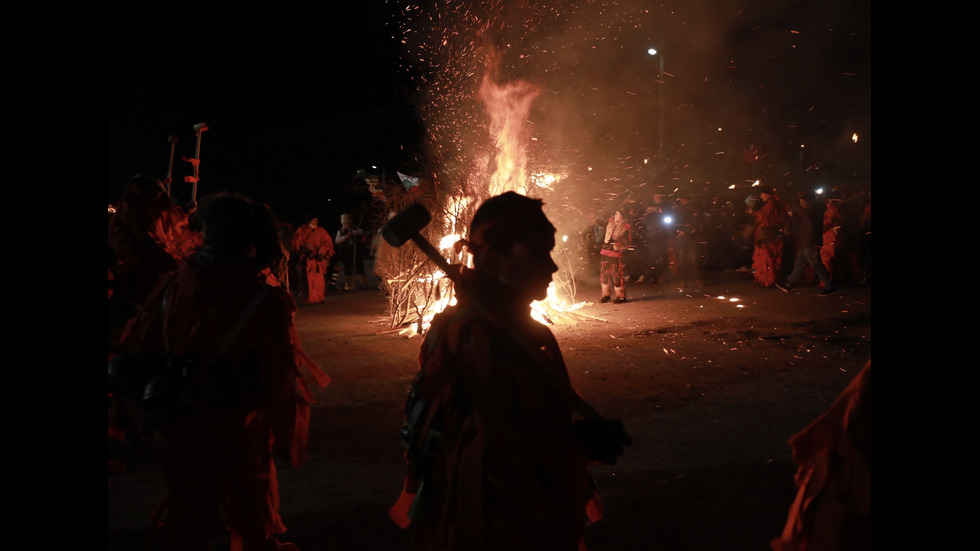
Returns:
(296, 100)
(299, 95)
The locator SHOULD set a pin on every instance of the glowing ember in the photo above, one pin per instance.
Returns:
(545, 180)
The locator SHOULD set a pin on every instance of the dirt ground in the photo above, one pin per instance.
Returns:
(710, 382)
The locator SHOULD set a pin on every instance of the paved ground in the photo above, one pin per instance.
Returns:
(710, 382)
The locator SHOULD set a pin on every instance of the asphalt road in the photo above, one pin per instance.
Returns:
(710, 382)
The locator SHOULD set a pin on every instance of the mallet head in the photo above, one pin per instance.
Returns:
(406, 224)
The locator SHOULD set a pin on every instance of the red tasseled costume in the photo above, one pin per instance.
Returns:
(832, 510)
(223, 455)
(767, 258)
(508, 474)
(315, 247)
(832, 219)
(767, 262)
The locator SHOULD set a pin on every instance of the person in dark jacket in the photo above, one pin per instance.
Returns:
(808, 226)
(496, 461)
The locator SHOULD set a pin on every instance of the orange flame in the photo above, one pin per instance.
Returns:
(507, 107)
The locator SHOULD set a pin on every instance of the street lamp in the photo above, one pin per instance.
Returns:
(660, 101)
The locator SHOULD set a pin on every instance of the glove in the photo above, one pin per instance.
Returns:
(603, 440)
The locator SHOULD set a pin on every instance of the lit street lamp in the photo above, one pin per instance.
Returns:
(660, 102)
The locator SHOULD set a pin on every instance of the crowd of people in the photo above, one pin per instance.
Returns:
(675, 239)
(317, 263)
(205, 358)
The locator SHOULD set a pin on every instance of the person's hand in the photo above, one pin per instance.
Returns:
(604, 440)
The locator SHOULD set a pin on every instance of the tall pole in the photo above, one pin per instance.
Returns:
(660, 102)
(199, 128)
(660, 108)
(170, 165)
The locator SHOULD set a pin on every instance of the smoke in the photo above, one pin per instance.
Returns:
(770, 74)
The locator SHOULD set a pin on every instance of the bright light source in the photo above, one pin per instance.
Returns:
(652, 51)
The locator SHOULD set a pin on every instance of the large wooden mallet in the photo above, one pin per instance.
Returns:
(405, 226)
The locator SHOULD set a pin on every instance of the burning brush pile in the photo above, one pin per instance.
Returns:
(477, 96)
(416, 283)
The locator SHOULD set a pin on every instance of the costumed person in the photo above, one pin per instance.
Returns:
(495, 461)
(284, 266)
(807, 220)
(617, 238)
(147, 235)
(224, 340)
(767, 258)
(315, 248)
(142, 244)
(832, 509)
(351, 245)
(833, 221)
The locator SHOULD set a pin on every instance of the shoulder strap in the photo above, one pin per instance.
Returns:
(243, 319)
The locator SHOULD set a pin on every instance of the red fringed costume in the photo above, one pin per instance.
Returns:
(832, 510)
(767, 258)
(223, 455)
(507, 473)
(832, 221)
(315, 248)
(619, 237)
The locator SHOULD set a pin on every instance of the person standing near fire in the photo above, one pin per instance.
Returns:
(315, 248)
(618, 237)
(496, 461)
(350, 246)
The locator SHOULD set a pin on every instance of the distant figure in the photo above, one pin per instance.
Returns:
(233, 356)
(315, 248)
(284, 267)
(807, 221)
(833, 238)
(767, 259)
(352, 248)
(495, 460)
(616, 239)
(832, 510)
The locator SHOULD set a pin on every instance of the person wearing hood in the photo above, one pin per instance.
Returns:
(315, 249)
(617, 238)
(226, 329)
(351, 248)
(496, 461)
